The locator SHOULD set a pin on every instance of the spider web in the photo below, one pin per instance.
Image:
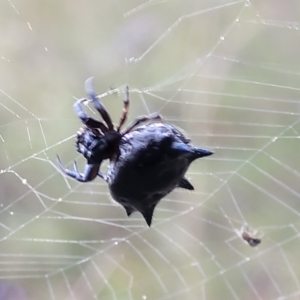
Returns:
(227, 73)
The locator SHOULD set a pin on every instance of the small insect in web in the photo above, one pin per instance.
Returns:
(146, 162)
(249, 237)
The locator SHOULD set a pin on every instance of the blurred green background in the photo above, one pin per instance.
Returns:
(226, 73)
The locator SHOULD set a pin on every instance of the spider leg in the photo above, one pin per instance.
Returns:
(101, 175)
(125, 110)
(86, 120)
(75, 166)
(142, 119)
(97, 104)
(90, 172)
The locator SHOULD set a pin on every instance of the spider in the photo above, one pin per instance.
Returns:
(145, 162)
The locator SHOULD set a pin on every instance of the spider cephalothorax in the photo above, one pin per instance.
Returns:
(97, 141)
(145, 162)
(96, 146)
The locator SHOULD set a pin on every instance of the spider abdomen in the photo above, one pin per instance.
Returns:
(153, 161)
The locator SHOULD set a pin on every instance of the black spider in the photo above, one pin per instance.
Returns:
(146, 162)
